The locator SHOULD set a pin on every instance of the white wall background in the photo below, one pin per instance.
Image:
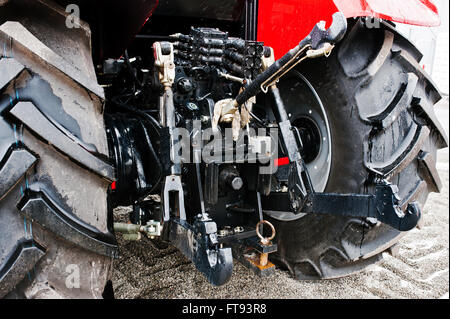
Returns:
(434, 44)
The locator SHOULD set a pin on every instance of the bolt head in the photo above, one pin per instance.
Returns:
(237, 183)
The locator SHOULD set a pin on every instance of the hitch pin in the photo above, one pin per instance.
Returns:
(133, 232)
(232, 78)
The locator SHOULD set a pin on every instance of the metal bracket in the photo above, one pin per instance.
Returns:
(384, 205)
(164, 60)
(199, 243)
(254, 255)
(173, 184)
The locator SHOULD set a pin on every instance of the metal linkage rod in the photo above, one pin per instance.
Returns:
(315, 40)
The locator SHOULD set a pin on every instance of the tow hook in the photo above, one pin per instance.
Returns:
(265, 241)
(254, 252)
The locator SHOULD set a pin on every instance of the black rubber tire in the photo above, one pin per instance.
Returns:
(379, 103)
(55, 236)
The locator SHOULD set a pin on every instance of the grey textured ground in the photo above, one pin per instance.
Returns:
(420, 270)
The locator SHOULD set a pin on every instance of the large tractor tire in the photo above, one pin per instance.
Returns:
(55, 236)
(379, 103)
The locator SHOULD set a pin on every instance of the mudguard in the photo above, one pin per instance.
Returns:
(282, 22)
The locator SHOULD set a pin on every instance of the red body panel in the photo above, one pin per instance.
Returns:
(283, 23)
(415, 12)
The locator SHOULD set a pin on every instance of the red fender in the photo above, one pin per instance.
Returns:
(283, 23)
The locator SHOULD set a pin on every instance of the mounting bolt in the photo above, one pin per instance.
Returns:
(237, 183)
(204, 119)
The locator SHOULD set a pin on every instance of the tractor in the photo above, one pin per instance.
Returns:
(298, 134)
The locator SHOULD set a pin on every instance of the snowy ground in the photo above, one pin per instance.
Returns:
(419, 270)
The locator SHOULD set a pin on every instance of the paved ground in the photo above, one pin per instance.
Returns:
(421, 269)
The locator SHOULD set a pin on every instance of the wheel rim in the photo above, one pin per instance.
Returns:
(308, 115)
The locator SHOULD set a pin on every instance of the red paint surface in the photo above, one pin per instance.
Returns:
(282, 161)
(415, 12)
(283, 23)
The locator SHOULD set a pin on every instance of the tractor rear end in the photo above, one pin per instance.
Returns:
(233, 130)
